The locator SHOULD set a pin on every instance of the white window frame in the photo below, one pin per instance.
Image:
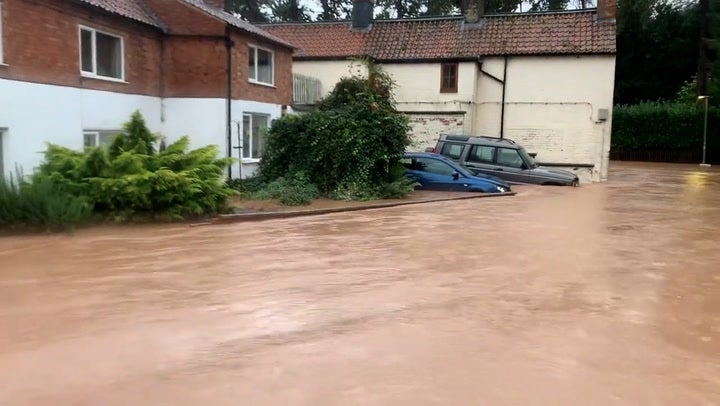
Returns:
(251, 137)
(254, 57)
(2, 60)
(97, 134)
(94, 74)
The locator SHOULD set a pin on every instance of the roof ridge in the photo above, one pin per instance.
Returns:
(433, 18)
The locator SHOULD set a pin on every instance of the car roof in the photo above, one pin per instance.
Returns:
(428, 155)
(480, 140)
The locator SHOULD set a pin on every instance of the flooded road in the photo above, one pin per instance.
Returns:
(603, 294)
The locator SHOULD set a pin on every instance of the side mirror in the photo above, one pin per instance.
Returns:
(455, 176)
(523, 166)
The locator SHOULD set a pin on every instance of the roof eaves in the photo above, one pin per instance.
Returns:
(149, 19)
(237, 22)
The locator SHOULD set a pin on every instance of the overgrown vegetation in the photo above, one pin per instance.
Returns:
(348, 148)
(664, 126)
(40, 203)
(127, 179)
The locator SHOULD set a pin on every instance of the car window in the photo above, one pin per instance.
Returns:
(482, 154)
(509, 157)
(452, 151)
(406, 162)
(434, 166)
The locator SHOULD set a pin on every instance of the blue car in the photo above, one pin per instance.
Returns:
(435, 172)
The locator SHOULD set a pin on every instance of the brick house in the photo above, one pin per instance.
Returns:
(72, 71)
(544, 80)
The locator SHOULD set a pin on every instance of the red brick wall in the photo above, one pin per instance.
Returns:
(607, 9)
(281, 93)
(185, 19)
(195, 67)
(41, 44)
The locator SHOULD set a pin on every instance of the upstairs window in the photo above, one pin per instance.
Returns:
(101, 55)
(261, 65)
(449, 78)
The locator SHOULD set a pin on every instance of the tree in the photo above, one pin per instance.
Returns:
(288, 11)
(250, 10)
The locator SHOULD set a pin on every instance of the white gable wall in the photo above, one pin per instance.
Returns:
(551, 107)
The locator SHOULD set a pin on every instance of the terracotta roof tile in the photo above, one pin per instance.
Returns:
(236, 22)
(139, 11)
(449, 37)
(133, 9)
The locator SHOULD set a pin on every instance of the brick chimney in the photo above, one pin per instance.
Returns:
(473, 10)
(606, 9)
(362, 14)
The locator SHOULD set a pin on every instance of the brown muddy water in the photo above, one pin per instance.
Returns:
(604, 294)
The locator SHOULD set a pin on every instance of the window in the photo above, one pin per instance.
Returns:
(452, 151)
(94, 138)
(509, 157)
(101, 55)
(261, 65)
(254, 128)
(449, 78)
(482, 154)
(434, 166)
(1, 34)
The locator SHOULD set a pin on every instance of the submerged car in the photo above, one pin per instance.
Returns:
(435, 172)
(500, 157)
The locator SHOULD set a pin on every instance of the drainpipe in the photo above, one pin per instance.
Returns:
(228, 70)
(502, 106)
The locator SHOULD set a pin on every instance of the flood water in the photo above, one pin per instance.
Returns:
(604, 294)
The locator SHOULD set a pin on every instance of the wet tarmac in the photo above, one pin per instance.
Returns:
(604, 294)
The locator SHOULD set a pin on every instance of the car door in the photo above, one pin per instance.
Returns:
(438, 175)
(481, 159)
(510, 166)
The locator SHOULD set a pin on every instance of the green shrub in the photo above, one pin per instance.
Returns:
(296, 190)
(40, 203)
(247, 185)
(132, 177)
(348, 145)
(664, 126)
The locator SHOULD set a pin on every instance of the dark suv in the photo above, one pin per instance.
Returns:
(500, 157)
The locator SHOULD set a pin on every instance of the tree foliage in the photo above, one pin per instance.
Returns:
(349, 147)
(131, 176)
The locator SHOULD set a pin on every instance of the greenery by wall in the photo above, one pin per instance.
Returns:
(665, 126)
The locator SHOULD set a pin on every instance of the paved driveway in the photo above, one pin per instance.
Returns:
(603, 294)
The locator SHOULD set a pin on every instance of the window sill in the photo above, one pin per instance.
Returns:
(4, 65)
(250, 160)
(103, 78)
(255, 82)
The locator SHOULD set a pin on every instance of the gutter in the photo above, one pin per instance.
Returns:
(502, 106)
(503, 82)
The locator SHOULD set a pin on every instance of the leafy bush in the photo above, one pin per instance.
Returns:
(40, 203)
(348, 145)
(664, 126)
(131, 176)
(296, 190)
(247, 185)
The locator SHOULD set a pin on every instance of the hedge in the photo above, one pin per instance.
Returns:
(653, 126)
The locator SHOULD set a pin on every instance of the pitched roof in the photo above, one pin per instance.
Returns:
(575, 32)
(137, 10)
(133, 9)
(237, 22)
